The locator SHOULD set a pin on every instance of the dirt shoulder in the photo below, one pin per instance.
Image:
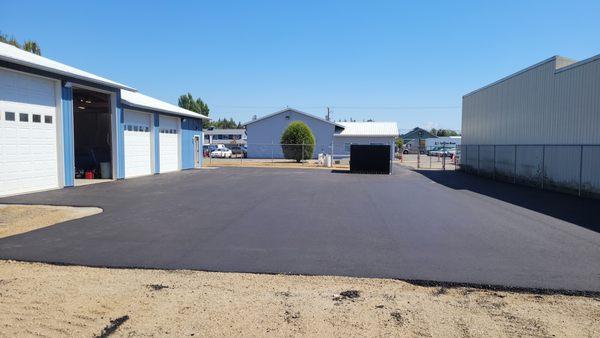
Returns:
(40, 299)
(16, 219)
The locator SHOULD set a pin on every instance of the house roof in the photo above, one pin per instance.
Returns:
(296, 111)
(138, 100)
(18, 56)
(414, 134)
(369, 129)
(224, 131)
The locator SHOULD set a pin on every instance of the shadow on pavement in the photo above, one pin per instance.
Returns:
(584, 212)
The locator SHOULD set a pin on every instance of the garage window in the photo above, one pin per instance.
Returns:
(23, 117)
(36, 118)
(9, 116)
(47, 119)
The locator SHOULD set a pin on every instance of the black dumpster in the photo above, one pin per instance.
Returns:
(370, 159)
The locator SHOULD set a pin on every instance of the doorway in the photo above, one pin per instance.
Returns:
(197, 151)
(92, 136)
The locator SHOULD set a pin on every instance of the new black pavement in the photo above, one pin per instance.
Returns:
(426, 226)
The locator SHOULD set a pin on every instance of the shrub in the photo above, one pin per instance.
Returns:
(297, 142)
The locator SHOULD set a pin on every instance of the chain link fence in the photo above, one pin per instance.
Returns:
(275, 154)
(572, 169)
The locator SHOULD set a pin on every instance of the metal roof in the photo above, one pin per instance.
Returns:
(135, 99)
(369, 129)
(216, 131)
(18, 56)
(294, 110)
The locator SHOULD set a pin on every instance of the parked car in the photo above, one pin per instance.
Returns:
(221, 152)
(443, 152)
(434, 151)
(239, 151)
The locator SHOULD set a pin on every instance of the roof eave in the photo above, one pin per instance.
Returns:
(160, 110)
(111, 84)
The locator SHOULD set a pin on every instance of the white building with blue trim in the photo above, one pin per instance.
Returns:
(59, 123)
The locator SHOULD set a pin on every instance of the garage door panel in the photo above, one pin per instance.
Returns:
(137, 144)
(28, 152)
(168, 143)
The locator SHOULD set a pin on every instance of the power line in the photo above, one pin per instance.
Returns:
(340, 107)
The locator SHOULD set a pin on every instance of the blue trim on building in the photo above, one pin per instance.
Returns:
(68, 137)
(120, 148)
(190, 127)
(156, 132)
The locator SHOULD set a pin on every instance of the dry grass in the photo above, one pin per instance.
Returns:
(16, 219)
(38, 299)
(251, 163)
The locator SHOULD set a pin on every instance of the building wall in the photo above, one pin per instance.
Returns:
(264, 136)
(541, 105)
(339, 144)
(538, 127)
(189, 128)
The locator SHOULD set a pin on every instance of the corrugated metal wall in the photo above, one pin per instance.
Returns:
(539, 106)
(539, 127)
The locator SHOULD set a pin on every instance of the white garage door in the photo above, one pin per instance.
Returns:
(168, 143)
(137, 144)
(28, 133)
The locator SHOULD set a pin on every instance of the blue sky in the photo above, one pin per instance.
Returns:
(402, 61)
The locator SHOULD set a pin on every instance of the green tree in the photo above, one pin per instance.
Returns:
(443, 132)
(29, 45)
(32, 47)
(297, 142)
(188, 102)
(399, 144)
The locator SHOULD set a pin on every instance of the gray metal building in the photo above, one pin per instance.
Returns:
(539, 126)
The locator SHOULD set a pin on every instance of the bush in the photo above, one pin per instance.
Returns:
(297, 142)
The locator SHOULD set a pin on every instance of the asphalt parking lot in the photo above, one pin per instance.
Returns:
(440, 226)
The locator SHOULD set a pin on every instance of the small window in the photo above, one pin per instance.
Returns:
(347, 147)
(129, 127)
(36, 118)
(48, 119)
(147, 129)
(23, 117)
(9, 116)
(135, 128)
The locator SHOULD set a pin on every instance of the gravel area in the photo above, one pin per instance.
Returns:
(17, 219)
(48, 300)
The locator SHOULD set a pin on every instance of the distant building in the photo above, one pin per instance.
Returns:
(264, 134)
(225, 137)
(538, 126)
(415, 140)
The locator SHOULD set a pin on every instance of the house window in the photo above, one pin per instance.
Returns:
(9, 116)
(347, 147)
(36, 118)
(23, 117)
(47, 119)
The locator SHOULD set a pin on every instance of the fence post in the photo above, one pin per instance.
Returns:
(580, 168)
(494, 165)
(272, 152)
(515, 166)
(478, 165)
(543, 165)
